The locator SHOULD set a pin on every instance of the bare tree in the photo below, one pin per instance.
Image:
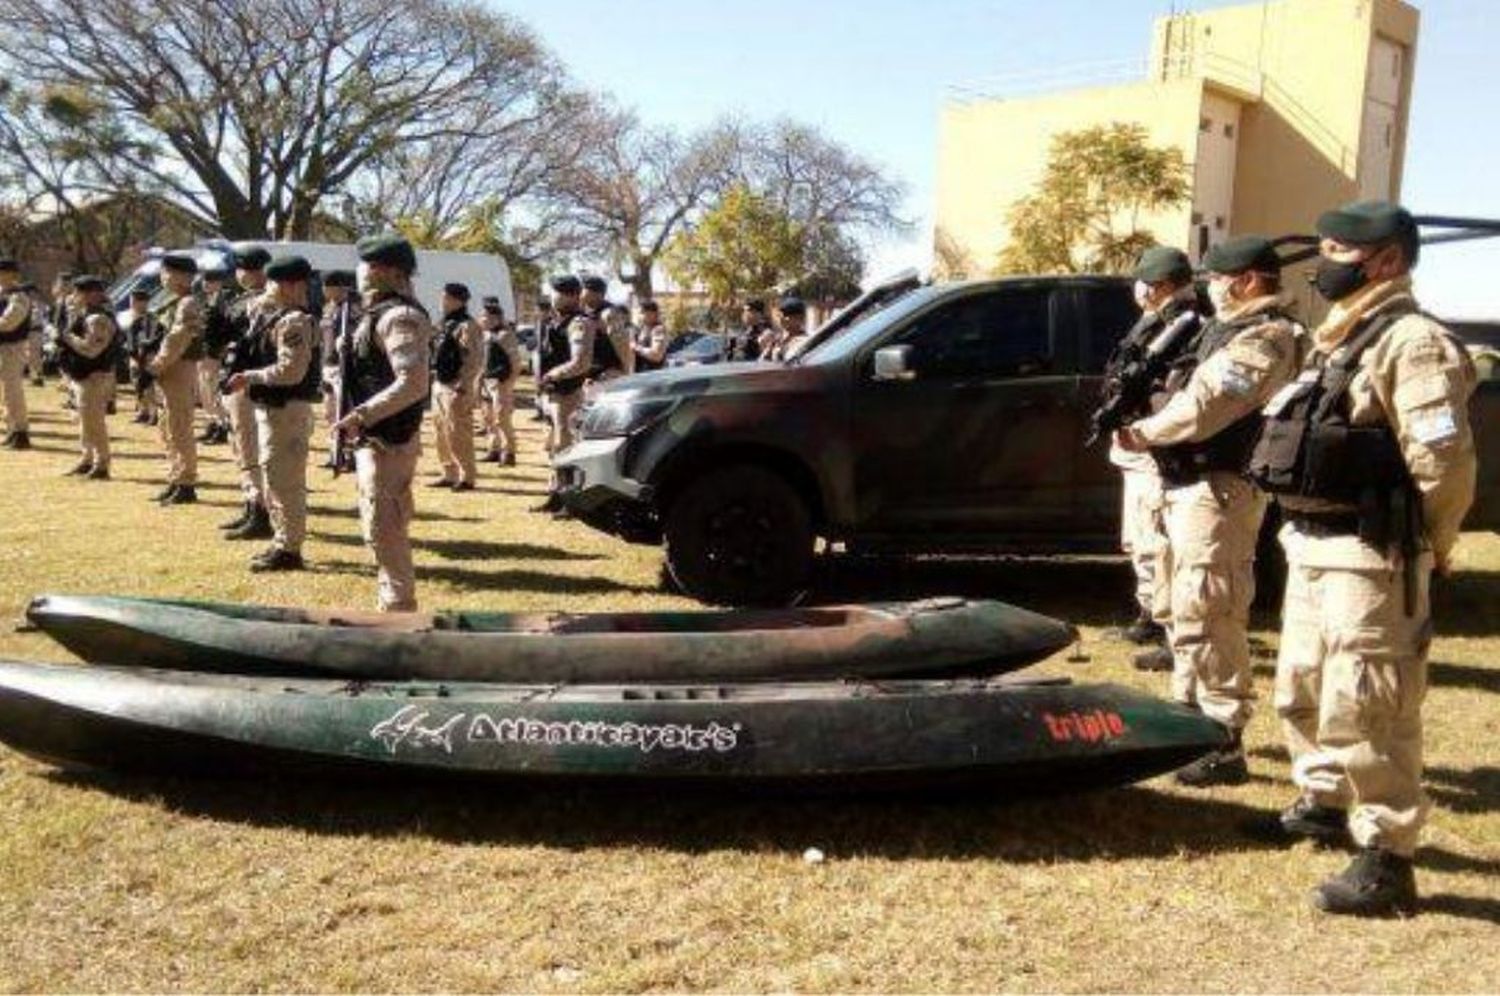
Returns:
(817, 181)
(248, 116)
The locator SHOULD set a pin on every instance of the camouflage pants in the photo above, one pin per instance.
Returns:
(178, 384)
(500, 413)
(92, 396)
(1350, 680)
(209, 397)
(384, 474)
(1212, 528)
(453, 429)
(283, 437)
(1142, 533)
(244, 442)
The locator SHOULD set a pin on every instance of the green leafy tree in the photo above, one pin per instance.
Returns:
(1085, 215)
(745, 245)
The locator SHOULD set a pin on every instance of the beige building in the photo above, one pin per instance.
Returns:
(1281, 109)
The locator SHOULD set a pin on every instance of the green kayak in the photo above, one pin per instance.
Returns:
(1018, 734)
(937, 637)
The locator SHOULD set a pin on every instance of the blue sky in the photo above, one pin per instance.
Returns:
(873, 75)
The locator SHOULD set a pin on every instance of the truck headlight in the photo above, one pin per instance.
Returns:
(622, 416)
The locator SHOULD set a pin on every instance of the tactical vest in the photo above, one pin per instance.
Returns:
(218, 326)
(1308, 447)
(145, 336)
(167, 316)
(642, 364)
(606, 357)
(743, 345)
(369, 371)
(79, 367)
(1229, 450)
(555, 350)
(447, 350)
(262, 353)
(497, 364)
(21, 331)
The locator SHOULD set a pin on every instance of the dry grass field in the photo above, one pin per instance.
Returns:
(135, 884)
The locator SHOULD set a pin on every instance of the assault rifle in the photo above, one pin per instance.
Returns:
(1142, 362)
(345, 347)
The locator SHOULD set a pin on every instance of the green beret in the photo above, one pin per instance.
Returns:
(596, 284)
(288, 268)
(338, 278)
(567, 284)
(217, 273)
(252, 258)
(1369, 223)
(179, 262)
(140, 292)
(1162, 263)
(792, 305)
(389, 249)
(460, 291)
(1243, 254)
(88, 282)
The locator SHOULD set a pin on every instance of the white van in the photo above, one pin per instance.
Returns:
(484, 274)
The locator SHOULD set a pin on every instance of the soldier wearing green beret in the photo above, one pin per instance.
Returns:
(217, 333)
(1201, 441)
(175, 367)
(15, 325)
(1165, 294)
(565, 356)
(282, 383)
(1371, 457)
(457, 363)
(89, 348)
(254, 520)
(386, 393)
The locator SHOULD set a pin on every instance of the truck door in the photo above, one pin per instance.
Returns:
(973, 442)
(1106, 311)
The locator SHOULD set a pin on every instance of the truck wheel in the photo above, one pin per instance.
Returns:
(739, 536)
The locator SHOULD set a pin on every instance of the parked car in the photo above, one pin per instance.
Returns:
(923, 419)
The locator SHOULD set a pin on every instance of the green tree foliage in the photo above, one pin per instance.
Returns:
(745, 245)
(1085, 215)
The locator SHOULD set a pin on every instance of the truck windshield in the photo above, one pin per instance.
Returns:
(873, 325)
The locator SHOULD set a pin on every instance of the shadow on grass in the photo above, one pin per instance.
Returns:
(1467, 907)
(516, 492)
(1476, 790)
(1100, 825)
(350, 512)
(1484, 679)
(1467, 604)
(486, 550)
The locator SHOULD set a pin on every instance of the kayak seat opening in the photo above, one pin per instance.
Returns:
(713, 622)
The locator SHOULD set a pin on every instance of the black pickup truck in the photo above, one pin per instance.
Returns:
(923, 419)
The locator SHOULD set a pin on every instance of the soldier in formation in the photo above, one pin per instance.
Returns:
(1201, 441)
(175, 369)
(744, 343)
(387, 389)
(787, 341)
(218, 333)
(565, 352)
(1371, 456)
(15, 326)
(457, 363)
(142, 337)
(88, 349)
(282, 382)
(651, 340)
(254, 520)
(340, 316)
(503, 364)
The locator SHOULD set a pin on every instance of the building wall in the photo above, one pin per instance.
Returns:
(1308, 80)
(993, 152)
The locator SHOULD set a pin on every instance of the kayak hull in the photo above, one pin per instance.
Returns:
(940, 637)
(1022, 736)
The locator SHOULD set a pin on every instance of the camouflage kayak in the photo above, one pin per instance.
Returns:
(935, 637)
(1018, 734)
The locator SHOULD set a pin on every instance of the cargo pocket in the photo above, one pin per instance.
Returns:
(1362, 686)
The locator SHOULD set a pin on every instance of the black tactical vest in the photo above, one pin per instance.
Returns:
(145, 336)
(447, 350)
(642, 364)
(497, 364)
(369, 371)
(1308, 447)
(1229, 450)
(555, 350)
(261, 352)
(606, 357)
(79, 367)
(23, 330)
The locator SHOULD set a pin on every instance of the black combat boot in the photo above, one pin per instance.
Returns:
(165, 494)
(221, 434)
(100, 472)
(246, 510)
(1155, 659)
(1377, 883)
(21, 440)
(184, 494)
(142, 417)
(80, 468)
(256, 526)
(464, 486)
(1225, 766)
(276, 559)
(441, 482)
(552, 504)
(207, 434)
(510, 459)
(493, 456)
(1145, 631)
(1326, 825)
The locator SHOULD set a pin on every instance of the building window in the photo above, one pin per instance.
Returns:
(1229, 131)
(1205, 124)
(1197, 217)
(1218, 222)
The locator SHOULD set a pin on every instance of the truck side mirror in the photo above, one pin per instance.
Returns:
(894, 363)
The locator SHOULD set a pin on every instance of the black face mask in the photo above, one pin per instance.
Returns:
(1336, 281)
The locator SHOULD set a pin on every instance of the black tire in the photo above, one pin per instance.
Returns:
(739, 536)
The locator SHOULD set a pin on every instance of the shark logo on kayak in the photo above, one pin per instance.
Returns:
(409, 726)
